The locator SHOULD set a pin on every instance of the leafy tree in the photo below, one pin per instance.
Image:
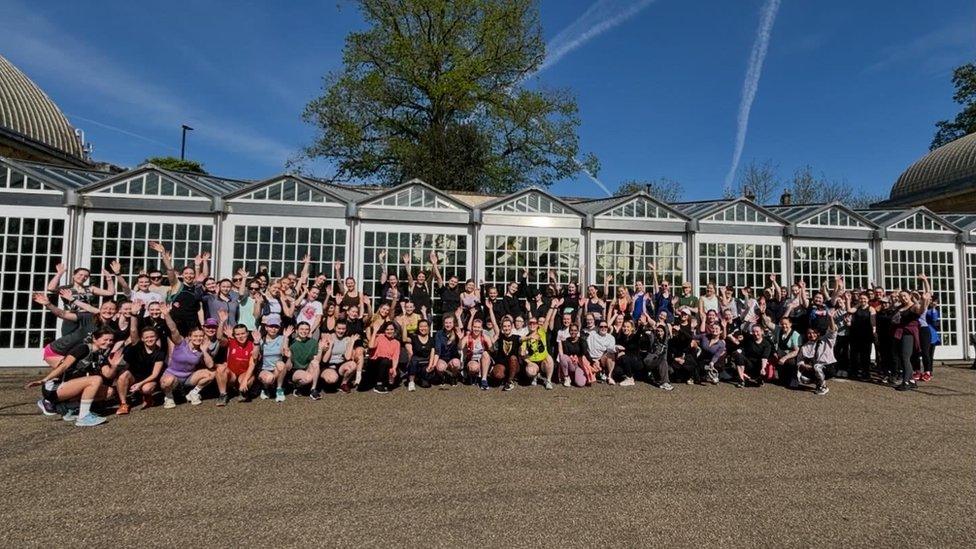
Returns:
(758, 178)
(664, 189)
(964, 79)
(173, 163)
(432, 89)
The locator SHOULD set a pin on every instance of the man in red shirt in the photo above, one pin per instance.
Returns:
(239, 367)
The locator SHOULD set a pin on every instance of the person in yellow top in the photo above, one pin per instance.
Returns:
(538, 361)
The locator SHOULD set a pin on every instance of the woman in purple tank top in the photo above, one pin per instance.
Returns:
(189, 366)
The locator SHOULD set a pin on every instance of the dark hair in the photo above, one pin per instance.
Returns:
(341, 321)
(299, 325)
(387, 325)
(239, 325)
(79, 269)
(423, 321)
(101, 332)
(145, 329)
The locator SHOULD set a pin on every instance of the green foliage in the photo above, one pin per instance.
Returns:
(173, 163)
(664, 189)
(964, 79)
(432, 89)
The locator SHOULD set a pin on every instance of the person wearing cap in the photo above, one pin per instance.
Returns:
(687, 299)
(274, 353)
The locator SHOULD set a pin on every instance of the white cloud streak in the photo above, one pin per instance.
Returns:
(46, 49)
(751, 84)
(600, 17)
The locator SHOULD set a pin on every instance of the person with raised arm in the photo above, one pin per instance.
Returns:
(418, 289)
(816, 355)
(538, 361)
(144, 362)
(238, 368)
(905, 331)
(77, 293)
(449, 292)
(86, 322)
(186, 290)
(189, 366)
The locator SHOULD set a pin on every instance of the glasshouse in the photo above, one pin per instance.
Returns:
(53, 214)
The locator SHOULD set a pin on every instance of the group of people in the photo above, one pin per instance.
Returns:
(183, 333)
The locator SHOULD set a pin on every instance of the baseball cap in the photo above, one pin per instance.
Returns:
(211, 323)
(272, 320)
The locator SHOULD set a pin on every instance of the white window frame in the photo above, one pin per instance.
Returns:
(635, 237)
(489, 230)
(29, 356)
(838, 244)
(712, 238)
(329, 199)
(942, 351)
(233, 220)
(449, 206)
(771, 223)
(858, 226)
(943, 230)
(667, 215)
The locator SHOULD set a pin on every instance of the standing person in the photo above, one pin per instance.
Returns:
(449, 293)
(384, 353)
(189, 365)
(574, 366)
(239, 365)
(310, 311)
(78, 293)
(418, 289)
(816, 355)
(663, 301)
(142, 292)
(863, 333)
(249, 305)
(639, 299)
(688, 298)
(225, 299)
(390, 290)
(906, 332)
(934, 319)
(186, 291)
(513, 302)
(420, 346)
(304, 367)
(274, 353)
(709, 301)
(656, 359)
(144, 362)
(84, 374)
(85, 322)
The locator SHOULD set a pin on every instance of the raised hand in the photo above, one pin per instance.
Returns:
(115, 266)
(136, 306)
(288, 331)
(205, 256)
(165, 308)
(405, 258)
(433, 257)
(66, 294)
(60, 268)
(228, 331)
(307, 259)
(382, 256)
(608, 279)
(156, 247)
(324, 342)
(337, 266)
(41, 299)
(256, 335)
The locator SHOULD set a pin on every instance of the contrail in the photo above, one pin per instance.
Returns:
(600, 17)
(751, 84)
(120, 130)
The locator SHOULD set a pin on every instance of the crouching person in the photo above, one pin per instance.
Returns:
(273, 352)
(85, 376)
(239, 366)
(144, 361)
(816, 355)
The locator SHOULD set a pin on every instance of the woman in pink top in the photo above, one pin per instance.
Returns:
(384, 353)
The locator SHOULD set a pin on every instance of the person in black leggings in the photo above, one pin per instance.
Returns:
(862, 334)
(906, 332)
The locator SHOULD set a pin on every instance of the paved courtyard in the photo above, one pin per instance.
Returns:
(864, 466)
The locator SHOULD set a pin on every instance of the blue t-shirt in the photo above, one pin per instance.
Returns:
(271, 352)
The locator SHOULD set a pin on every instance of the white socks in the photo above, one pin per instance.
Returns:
(195, 391)
(85, 408)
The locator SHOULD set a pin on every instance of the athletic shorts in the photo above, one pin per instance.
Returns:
(237, 370)
(51, 353)
(221, 356)
(50, 391)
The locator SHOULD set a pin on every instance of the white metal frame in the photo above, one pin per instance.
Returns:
(837, 244)
(942, 351)
(713, 238)
(499, 230)
(30, 356)
(231, 222)
(673, 238)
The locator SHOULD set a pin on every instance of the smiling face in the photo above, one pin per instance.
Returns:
(352, 313)
(469, 286)
(210, 285)
(272, 330)
(448, 323)
(476, 328)
(80, 276)
(225, 287)
(149, 337)
(304, 330)
(313, 293)
(409, 308)
(350, 284)
(103, 342)
(506, 327)
(107, 310)
(240, 334)
(863, 300)
(142, 283)
(423, 327)
(189, 275)
(196, 337)
(155, 311)
(757, 333)
(383, 310)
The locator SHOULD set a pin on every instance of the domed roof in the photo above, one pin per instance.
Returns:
(27, 110)
(950, 164)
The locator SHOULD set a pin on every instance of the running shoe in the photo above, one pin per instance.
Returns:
(222, 401)
(70, 415)
(927, 376)
(89, 420)
(169, 403)
(690, 381)
(566, 382)
(906, 387)
(345, 388)
(315, 395)
(805, 380)
(535, 381)
(549, 385)
(380, 389)
(194, 398)
(627, 382)
(739, 385)
(484, 384)
(280, 395)
(264, 395)
(123, 409)
(916, 375)
(508, 386)
(822, 390)
(666, 386)
(411, 386)
(46, 407)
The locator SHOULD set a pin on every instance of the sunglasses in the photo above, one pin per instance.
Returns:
(254, 289)
(237, 279)
(604, 326)
(155, 277)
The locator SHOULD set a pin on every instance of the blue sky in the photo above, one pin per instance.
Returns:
(850, 88)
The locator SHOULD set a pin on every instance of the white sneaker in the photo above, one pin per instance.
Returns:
(566, 382)
(169, 403)
(667, 386)
(193, 398)
(548, 385)
(627, 382)
(411, 386)
(535, 381)
(264, 395)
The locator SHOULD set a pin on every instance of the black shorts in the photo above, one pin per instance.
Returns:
(50, 394)
(221, 356)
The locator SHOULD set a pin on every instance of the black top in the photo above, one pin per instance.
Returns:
(140, 362)
(505, 347)
(575, 348)
(420, 296)
(187, 302)
(450, 298)
(421, 349)
(630, 343)
(754, 352)
(86, 363)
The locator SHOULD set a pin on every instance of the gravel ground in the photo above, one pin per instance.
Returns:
(864, 466)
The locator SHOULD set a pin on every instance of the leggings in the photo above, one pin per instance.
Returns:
(380, 370)
(860, 355)
(903, 350)
(657, 366)
(925, 343)
(417, 367)
(572, 369)
(627, 365)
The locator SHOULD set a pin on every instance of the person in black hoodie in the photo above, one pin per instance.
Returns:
(752, 357)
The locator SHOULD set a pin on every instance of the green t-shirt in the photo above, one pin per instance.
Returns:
(688, 301)
(302, 352)
(536, 348)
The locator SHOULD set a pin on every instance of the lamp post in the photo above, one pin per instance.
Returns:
(183, 143)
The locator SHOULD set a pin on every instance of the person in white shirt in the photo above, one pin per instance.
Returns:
(815, 355)
(310, 310)
(602, 347)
